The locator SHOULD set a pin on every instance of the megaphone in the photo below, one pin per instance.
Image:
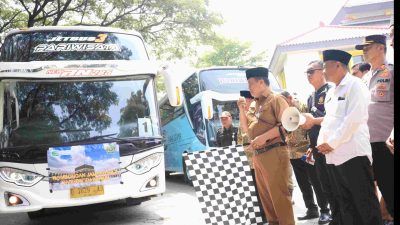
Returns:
(292, 119)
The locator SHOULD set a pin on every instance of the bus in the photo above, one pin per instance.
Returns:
(193, 125)
(79, 119)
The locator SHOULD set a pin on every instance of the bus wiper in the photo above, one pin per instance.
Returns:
(95, 138)
(68, 130)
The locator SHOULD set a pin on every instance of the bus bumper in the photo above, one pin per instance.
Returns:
(40, 197)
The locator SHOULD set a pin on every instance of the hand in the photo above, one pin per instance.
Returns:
(324, 148)
(390, 143)
(241, 103)
(257, 142)
(309, 155)
(309, 121)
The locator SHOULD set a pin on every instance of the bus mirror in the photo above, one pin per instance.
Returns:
(172, 85)
(207, 107)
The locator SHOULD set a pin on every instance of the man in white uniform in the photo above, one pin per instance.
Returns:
(344, 140)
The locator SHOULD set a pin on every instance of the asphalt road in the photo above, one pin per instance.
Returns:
(178, 206)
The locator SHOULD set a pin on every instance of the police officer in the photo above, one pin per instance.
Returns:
(305, 173)
(271, 156)
(381, 114)
(227, 134)
(344, 140)
(316, 109)
(390, 140)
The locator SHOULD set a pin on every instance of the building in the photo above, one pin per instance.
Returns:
(84, 169)
(355, 20)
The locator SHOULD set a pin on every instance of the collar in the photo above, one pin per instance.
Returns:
(265, 94)
(230, 128)
(345, 80)
(323, 87)
(382, 67)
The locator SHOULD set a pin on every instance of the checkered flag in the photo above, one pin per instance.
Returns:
(224, 186)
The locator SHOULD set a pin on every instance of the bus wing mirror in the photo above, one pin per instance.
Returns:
(172, 85)
(207, 107)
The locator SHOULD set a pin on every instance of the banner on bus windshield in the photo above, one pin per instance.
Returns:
(83, 166)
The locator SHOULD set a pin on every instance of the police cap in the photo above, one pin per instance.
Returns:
(336, 55)
(225, 114)
(257, 72)
(376, 38)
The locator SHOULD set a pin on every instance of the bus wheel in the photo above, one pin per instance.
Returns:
(36, 214)
(186, 174)
(133, 201)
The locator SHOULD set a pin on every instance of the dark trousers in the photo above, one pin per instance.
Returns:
(306, 177)
(322, 173)
(353, 186)
(383, 167)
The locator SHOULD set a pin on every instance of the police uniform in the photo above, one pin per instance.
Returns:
(271, 161)
(224, 136)
(345, 130)
(380, 122)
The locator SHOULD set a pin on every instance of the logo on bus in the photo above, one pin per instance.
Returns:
(71, 47)
(79, 72)
(99, 39)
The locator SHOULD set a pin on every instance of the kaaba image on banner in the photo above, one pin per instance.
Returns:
(224, 186)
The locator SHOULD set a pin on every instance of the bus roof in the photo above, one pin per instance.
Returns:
(73, 28)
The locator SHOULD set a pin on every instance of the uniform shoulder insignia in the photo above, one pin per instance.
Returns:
(321, 100)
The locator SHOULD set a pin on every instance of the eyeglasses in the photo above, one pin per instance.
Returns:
(310, 72)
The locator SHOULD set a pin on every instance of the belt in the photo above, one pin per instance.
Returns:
(269, 147)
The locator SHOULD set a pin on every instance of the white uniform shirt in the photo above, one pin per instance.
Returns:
(344, 126)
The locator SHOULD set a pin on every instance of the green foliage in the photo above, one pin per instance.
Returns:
(173, 27)
(230, 52)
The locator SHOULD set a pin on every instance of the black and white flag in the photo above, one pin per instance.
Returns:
(224, 186)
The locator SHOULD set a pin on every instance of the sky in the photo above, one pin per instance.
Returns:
(266, 23)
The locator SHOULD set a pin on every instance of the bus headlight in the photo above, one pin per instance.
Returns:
(19, 177)
(146, 164)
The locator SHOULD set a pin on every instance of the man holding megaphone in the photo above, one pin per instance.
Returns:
(305, 173)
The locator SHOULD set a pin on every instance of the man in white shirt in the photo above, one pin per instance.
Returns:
(344, 140)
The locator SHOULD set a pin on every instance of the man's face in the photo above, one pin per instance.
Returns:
(391, 36)
(371, 51)
(255, 87)
(314, 73)
(226, 121)
(330, 69)
(355, 71)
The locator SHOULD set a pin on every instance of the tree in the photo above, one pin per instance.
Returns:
(231, 52)
(173, 27)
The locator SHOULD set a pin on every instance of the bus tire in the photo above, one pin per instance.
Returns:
(186, 177)
(36, 214)
(133, 201)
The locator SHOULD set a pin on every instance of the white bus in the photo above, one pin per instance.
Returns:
(79, 120)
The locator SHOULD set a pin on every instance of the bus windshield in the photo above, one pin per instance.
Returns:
(56, 112)
(72, 45)
(229, 80)
(215, 123)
